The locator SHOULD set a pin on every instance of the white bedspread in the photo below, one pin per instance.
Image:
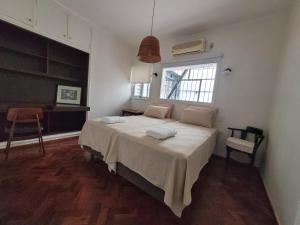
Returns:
(101, 136)
(173, 164)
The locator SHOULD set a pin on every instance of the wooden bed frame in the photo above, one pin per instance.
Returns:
(131, 176)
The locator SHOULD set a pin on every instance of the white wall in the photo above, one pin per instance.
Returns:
(110, 64)
(297, 220)
(252, 50)
(282, 166)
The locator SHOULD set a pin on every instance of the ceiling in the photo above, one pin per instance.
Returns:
(131, 19)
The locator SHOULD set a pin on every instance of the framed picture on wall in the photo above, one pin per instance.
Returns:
(68, 95)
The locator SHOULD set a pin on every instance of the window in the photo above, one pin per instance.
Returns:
(141, 90)
(193, 83)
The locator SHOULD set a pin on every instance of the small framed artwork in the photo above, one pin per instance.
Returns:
(68, 95)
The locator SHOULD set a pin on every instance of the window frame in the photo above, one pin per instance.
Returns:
(216, 60)
(142, 89)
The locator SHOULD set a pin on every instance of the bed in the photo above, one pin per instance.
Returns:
(167, 169)
(101, 137)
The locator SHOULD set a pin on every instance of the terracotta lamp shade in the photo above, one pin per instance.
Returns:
(149, 51)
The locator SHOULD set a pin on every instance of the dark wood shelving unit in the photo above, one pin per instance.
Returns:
(67, 64)
(64, 78)
(41, 74)
(31, 67)
(21, 52)
(34, 73)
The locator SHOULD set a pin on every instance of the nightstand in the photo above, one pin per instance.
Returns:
(131, 112)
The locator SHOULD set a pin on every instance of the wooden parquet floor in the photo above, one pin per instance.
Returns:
(63, 189)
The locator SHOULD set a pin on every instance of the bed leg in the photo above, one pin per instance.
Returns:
(88, 156)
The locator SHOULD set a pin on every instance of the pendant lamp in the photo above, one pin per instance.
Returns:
(149, 51)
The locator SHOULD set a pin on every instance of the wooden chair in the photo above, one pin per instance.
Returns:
(243, 145)
(25, 124)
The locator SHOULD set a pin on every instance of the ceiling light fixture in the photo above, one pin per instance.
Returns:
(149, 51)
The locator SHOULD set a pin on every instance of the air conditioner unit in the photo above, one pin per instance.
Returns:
(189, 47)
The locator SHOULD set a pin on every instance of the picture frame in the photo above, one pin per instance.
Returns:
(68, 95)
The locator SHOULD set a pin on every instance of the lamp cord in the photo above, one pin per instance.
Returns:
(152, 16)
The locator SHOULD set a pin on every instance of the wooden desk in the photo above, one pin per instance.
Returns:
(47, 108)
(57, 118)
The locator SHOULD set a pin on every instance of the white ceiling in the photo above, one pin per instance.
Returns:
(131, 19)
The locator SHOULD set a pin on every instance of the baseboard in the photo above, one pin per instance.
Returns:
(46, 138)
(270, 200)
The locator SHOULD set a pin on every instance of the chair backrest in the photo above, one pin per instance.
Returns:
(258, 135)
(24, 115)
(254, 130)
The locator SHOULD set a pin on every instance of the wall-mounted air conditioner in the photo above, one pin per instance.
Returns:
(197, 46)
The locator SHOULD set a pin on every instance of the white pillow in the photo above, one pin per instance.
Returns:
(199, 116)
(156, 111)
